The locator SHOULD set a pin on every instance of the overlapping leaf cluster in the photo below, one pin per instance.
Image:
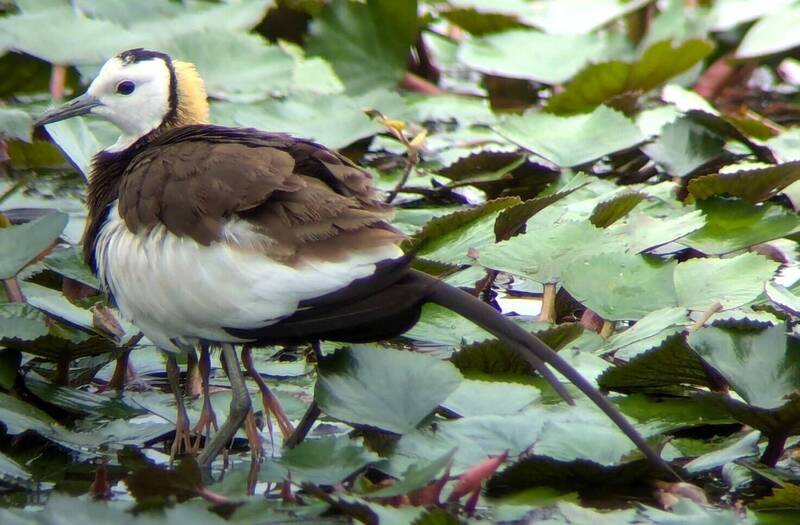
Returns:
(630, 166)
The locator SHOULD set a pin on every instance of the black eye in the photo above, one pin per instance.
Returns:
(125, 87)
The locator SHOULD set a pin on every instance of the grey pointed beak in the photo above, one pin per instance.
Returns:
(75, 107)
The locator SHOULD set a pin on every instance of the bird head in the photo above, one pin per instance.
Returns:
(140, 91)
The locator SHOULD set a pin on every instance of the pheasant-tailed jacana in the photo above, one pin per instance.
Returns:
(221, 235)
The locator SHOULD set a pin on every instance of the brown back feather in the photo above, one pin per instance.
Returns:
(306, 200)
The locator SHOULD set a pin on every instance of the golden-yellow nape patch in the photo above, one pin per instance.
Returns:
(192, 99)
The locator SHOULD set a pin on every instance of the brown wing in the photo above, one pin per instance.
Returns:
(299, 198)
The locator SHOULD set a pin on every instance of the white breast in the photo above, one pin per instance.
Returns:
(174, 288)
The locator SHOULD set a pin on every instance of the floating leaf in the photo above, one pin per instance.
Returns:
(55, 304)
(610, 211)
(71, 38)
(754, 185)
(534, 471)
(305, 115)
(475, 398)
(744, 447)
(667, 414)
(21, 321)
(551, 59)
(474, 438)
(543, 255)
(324, 461)
(81, 402)
(235, 65)
(448, 239)
(599, 83)
(670, 364)
(579, 16)
(511, 221)
(613, 284)
(416, 476)
(642, 232)
(11, 471)
(771, 34)
(15, 124)
(438, 325)
(648, 332)
(69, 263)
(684, 146)
(779, 295)
(575, 140)
(367, 44)
(783, 497)
(388, 389)
(732, 225)
(20, 244)
(762, 367)
(700, 283)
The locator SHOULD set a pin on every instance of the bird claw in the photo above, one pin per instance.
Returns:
(207, 421)
(182, 439)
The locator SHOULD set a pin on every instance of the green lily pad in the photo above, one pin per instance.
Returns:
(787, 301)
(438, 325)
(535, 471)
(416, 476)
(732, 225)
(684, 146)
(599, 83)
(762, 367)
(21, 321)
(304, 115)
(700, 283)
(613, 284)
(324, 461)
(475, 398)
(543, 255)
(22, 243)
(450, 238)
(367, 44)
(771, 34)
(575, 140)
(643, 232)
(669, 365)
(15, 124)
(55, 304)
(387, 389)
(754, 185)
(551, 59)
(579, 16)
(474, 438)
(235, 65)
(82, 402)
(69, 263)
(668, 414)
(610, 211)
(648, 332)
(71, 37)
(746, 446)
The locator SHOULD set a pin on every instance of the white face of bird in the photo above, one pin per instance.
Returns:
(133, 90)
(134, 96)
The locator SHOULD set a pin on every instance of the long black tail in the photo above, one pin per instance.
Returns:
(530, 348)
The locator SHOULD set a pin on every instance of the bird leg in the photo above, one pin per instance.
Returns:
(312, 413)
(253, 436)
(194, 384)
(240, 405)
(208, 418)
(182, 422)
(118, 379)
(271, 403)
(304, 426)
